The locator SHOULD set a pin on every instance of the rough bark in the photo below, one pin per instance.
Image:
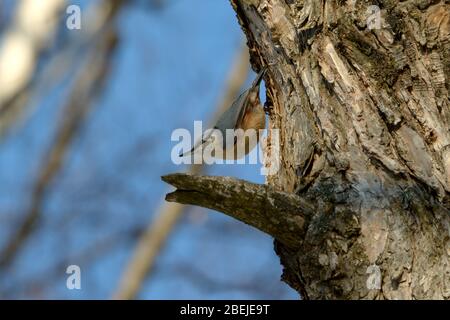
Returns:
(280, 214)
(364, 119)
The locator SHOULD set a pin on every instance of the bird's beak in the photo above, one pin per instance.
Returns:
(259, 77)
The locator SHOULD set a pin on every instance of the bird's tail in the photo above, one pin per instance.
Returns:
(184, 154)
(204, 140)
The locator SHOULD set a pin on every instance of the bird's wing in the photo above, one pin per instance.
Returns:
(243, 110)
(245, 95)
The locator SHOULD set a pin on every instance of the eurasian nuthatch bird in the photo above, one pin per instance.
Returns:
(245, 113)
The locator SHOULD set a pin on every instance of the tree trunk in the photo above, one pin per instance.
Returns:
(359, 92)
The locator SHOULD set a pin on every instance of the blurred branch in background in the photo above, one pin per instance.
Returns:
(43, 280)
(88, 84)
(153, 239)
(61, 63)
(30, 32)
(255, 283)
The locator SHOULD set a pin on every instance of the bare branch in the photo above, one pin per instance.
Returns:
(153, 239)
(280, 214)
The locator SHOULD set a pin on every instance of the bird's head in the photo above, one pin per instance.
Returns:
(253, 96)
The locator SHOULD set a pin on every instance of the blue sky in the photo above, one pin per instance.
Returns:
(169, 70)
